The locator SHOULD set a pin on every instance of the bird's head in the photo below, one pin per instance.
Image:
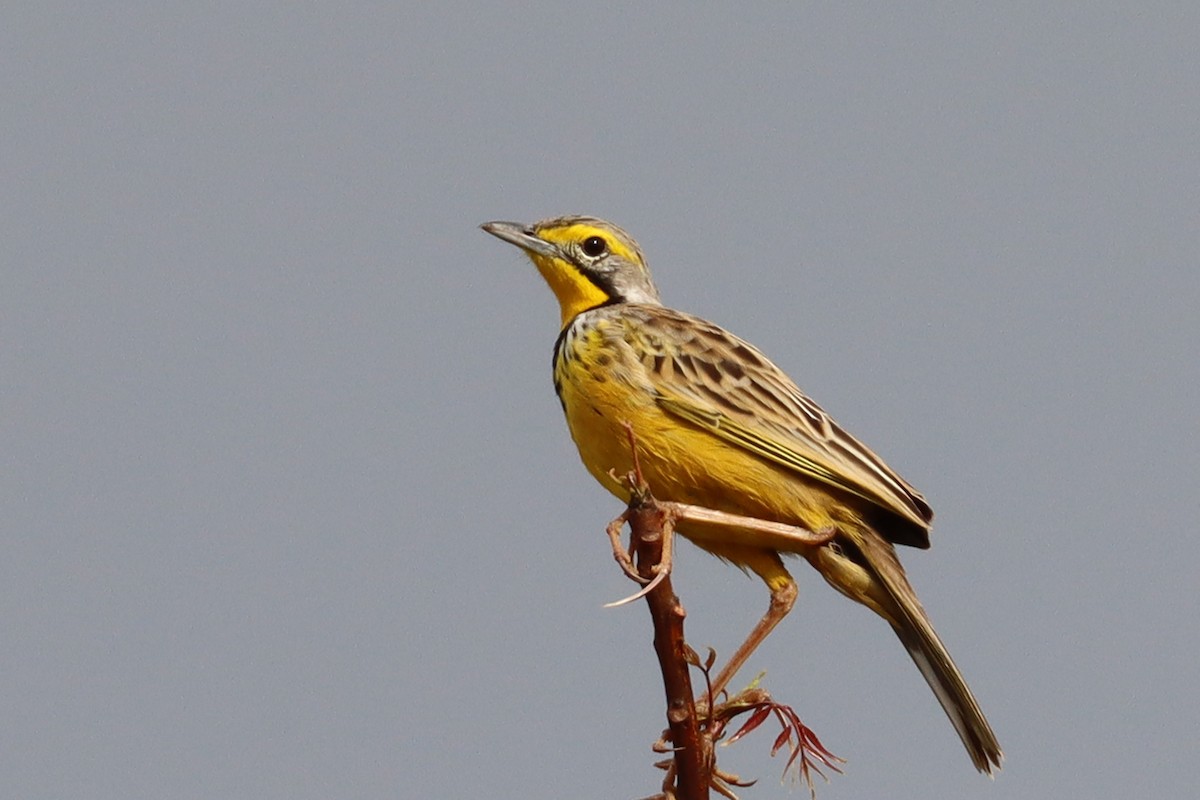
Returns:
(587, 262)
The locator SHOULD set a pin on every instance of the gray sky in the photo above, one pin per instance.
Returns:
(290, 510)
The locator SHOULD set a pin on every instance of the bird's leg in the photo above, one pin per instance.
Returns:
(638, 491)
(749, 527)
(783, 597)
(660, 570)
(620, 553)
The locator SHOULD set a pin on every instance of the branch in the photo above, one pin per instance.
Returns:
(651, 527)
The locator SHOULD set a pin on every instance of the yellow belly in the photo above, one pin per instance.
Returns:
(679, 461)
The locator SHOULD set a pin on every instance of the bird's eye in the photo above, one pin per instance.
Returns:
(594, 247)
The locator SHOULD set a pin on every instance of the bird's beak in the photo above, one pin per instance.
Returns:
(522, 236)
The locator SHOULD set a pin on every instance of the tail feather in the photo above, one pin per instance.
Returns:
(943, 677)
(889, 593)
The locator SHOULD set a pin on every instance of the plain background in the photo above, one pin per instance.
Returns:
(289, 509)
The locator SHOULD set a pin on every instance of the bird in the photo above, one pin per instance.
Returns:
(717, 424)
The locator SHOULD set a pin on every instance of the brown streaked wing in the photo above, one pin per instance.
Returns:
(715, 380)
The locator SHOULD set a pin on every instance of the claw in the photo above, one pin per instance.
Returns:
(645, 590)
(661, 570)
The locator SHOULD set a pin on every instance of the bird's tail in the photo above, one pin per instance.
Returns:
(885, 589)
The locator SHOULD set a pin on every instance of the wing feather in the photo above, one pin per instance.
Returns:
(716, 381)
